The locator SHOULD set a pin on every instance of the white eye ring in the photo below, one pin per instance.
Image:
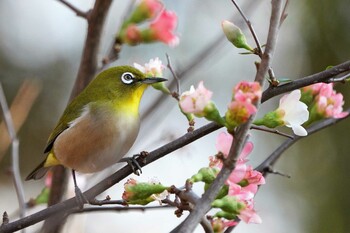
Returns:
(127, 78)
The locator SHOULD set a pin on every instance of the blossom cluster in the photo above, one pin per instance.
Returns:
(245, 96)
(236, 198)
(154, 68)
(323, 102)
(161, 27)
(291, 112)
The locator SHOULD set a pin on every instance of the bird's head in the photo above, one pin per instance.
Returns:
(124, 84)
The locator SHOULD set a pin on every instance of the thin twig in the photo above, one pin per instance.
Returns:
(176, 78)
(284, 13)
(273, 131)
(15, 153)
(75, 9)
(120, 209)
(273, 79)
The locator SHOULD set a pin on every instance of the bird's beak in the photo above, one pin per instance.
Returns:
(153, 80)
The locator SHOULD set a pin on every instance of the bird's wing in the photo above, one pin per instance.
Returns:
(73, 111)
(56, 132)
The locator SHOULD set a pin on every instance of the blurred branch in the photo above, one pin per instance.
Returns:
(76, 10)
(207, 198)
(15, 153)
(266, 166)
(89, 63)
(19, 110)
(324, 76)
(87, 71)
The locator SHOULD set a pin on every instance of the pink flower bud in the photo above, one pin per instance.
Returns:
(163, 28)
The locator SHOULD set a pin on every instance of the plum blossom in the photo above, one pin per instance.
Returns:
(330, 103)
(196, 100)
(247, 91)
(293, 112)
(154, 68)
(245, 95)
(162, 28)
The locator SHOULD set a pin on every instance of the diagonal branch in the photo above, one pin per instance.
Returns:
(204, 205)
(71, 204)
(324, 76)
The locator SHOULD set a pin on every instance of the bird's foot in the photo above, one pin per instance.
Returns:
(135, 161)
(80, 198)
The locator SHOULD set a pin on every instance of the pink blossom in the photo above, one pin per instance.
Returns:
(195, 100)
(224, 142)
(154, 68)
(128, 189)
(48, 179)
(238, 112)
(329, 103)
(249, 215)
(254, 177)
(247, 91)
(239, 192)
(163, 26)
(314, 88)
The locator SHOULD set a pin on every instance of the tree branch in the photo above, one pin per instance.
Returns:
(207, 198)
(71, 204)
(324, 76)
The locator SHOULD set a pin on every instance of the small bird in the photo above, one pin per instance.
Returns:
(100, 125)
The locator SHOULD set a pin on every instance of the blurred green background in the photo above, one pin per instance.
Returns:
(43, 40)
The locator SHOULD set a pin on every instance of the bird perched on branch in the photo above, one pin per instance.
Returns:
(99, 126)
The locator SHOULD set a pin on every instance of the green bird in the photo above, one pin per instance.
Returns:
(100, 125)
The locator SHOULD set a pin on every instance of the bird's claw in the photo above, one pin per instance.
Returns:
(134, 162)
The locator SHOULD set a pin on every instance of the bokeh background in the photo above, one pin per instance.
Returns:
(42, 40)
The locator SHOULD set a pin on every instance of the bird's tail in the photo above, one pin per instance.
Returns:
(38, 172)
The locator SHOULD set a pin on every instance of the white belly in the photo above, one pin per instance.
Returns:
(96, 141)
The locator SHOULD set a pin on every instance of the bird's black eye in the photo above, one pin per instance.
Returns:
(127, 78)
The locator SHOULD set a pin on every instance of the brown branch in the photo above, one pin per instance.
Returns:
(324, 76)
(71, 204)
(89, 63)
(207, 198)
